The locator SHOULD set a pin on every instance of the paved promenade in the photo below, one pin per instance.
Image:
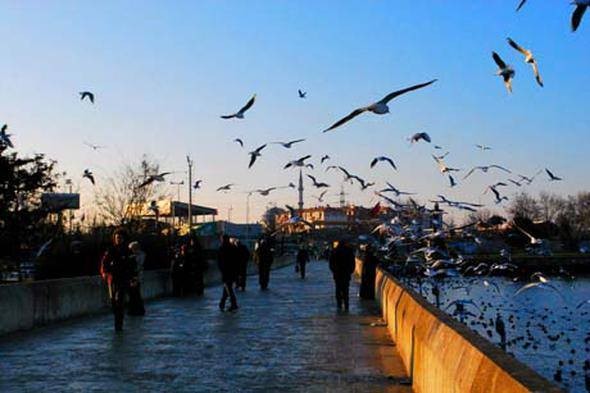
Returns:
(289, 339)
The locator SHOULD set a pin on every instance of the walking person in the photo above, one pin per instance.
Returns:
(265, 259)
(117, 269)
(368, 272)
(226, 260)
(301, 261)
(178, 270)
(243, 256)
(136, 306)
(342, 267)
(195, 259)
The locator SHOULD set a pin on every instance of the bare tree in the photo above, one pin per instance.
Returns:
(551, 206)
(120, 200)
(524, 206)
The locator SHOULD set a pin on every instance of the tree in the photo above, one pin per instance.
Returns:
(524, 206)
(120, 200)
(550, 206)
(269, 218)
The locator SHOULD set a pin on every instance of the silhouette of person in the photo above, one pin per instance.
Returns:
(302, 259)
(226, 260)
(342, 266)
(265, 260)
(197, 265)
(367, 289)
(243, 256)
(117, 269)
(136, 306)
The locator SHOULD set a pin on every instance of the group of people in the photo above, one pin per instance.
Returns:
(188, 268)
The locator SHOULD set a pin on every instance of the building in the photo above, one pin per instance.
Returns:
(174, 213)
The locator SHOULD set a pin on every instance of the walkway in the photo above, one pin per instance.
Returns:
(288, 339)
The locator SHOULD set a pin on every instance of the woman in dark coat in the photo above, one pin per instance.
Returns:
(367, 289)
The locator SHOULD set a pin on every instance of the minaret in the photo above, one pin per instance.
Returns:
(300, 189)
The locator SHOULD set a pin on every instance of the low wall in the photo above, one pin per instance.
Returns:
(443, 355)
(27, 305)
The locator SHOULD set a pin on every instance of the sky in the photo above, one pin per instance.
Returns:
(163, 73)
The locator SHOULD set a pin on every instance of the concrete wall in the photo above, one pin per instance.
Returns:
(27, 305)
(442, 355)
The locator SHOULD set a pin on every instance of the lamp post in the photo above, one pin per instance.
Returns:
(189, 162)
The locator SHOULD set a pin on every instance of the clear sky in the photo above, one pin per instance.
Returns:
(163, 72)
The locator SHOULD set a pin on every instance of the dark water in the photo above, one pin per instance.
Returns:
(543, 328)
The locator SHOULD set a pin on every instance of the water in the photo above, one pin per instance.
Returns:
(544, 330)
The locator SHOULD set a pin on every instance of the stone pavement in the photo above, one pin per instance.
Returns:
(288, 339)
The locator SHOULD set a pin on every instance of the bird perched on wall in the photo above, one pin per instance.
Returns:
(87, 94)
(380, 107)
(240, 114)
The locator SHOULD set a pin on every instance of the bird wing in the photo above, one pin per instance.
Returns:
(520, 5)
(344, 171)
(501, 168)
(248, 104)
(149, 180)
(498, 60)
(238, 140)
(537, 74)
(577, 16)
(259, 149)
(519, 48)
(551, 175)
(351, 116)
(227, 116)
(252, 160)
(295, 141)
(470, 172)
(304, 158)
(374, 162)
(391, 96)
(425, 136)
(390, 162)
(312, 179)
(508, 83)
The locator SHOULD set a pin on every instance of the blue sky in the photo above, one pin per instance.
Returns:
(163, 72)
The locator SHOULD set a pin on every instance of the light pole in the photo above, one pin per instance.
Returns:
(190, 192)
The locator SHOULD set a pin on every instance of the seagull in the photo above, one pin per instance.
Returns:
(383, 158)
(533, 240)
(287, 145)
(227, 187)
(442, 167)
(316, 184)
(483, 147)
(321, 197)
(364, 186)
(581, 6)
(324, 158)
(255, 154)
(517, 184)
(552, 177)
(442, 156)
(499, 198)
(419, 135)
(380, 107)
(297, 163)
(266, 191)
(93, 146)
(197, 184)
(86, 94)
(239, 141)
(505, 71)
(153, 178)
(348, 176)
(452, 181)
(491, 187)
(4, 137)
(541, 282)
(528, 58)
(520, 5)
(89, 175)
(240, 114)
(527, 179)
(302, 94)
(485, 169)
(397, 192)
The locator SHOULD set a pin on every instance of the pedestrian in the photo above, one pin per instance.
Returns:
(243, 256)
(265, 259)
(368, 272)
(177, 271)
(117, 269)
(342, 266)
(302, 259)
(136, 306)
(226, 260)
(197, 265)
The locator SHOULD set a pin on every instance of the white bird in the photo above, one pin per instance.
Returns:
(528, 58)
(380, 107)
(552, 177)
(4, 137)
(540, 282)
(581, 6)
(240, 114)
(297, 163)
(485, 169)
(255, 154)
(442, 167)
(93, 146)
(287, 145)
(419, 135)
(505, 71)
(86, 94)
(533, 240)
(383, 158)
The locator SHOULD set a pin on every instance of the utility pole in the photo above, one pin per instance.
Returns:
(190, 192)
(69, 183)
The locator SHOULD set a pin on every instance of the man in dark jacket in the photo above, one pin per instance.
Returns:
(342, 266)
(265, 260)
(370, 262)
(195, 259)
(117, 269)
(228, 268)
(302, 259)
(243, 256)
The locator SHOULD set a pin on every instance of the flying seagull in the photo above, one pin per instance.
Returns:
(157, 177)
(442, 156)
(452, 181)
(419, 135)
(505, 71)
(578, 13)
(93, 146)
(287, 145)
(197, 184)
(240, 114)
(483, 147)
(86, 94)
(442, 167)
(89, 175)
(302, 94)
(528, 58)
(318, 184)
(4, 137)
(324, 158)
(485, 169)
(552, 177)
(383, 158)
(380, 107)
(297, 163)
(239, 141)
(499, 198)
(321, 197)
(255, 154)
(226, 187)
(397, 192)
(520, 5)
(266, 191)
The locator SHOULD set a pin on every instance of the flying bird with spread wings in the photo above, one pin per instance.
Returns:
(505, 71)
(240, 114)
(88, 175)
(528, 58)
(317, 184)
(287, 145)
(384, 159)
(255, 154)
(154, 178)
(87, 94)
